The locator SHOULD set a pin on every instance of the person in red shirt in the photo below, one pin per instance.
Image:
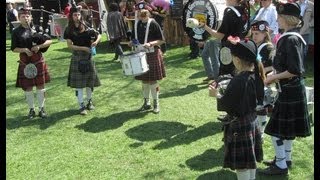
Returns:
(67, 9)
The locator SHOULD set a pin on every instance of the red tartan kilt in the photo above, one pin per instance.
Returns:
(42, 76)
(156, 67)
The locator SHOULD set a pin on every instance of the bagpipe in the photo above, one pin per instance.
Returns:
(39, 34)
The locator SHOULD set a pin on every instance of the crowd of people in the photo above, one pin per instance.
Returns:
(256, 61)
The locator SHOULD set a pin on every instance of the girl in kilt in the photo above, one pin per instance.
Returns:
(82, 70)
(260, 35)
(242, 137)
(289, 118)
(151, 39)
(22, 42)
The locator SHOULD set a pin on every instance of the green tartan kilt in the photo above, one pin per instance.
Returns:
(290, 117)
(76, 79)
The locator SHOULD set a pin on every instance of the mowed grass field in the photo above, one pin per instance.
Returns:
(114, 141)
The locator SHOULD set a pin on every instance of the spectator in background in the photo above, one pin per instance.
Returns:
(268, 13)
(210, 59)
(67, 9)
(117, 28)
(254, 7)
(307, 12)
(12, 15)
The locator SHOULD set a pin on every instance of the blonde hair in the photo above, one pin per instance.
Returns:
(291, 20)
(144, 13)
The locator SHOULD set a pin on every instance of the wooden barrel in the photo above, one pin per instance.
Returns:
(173, 31)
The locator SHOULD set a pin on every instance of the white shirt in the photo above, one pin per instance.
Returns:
(270, 15)
(303, 6)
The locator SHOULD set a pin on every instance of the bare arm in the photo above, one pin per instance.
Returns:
(212, 32)
(77, 48)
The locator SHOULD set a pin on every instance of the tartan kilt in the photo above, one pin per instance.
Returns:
(290, 117)
(42, 69)
(156, 67)
(76, 79)
(242, 143)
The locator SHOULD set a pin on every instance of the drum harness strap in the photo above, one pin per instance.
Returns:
(146, 35)
(235, 10)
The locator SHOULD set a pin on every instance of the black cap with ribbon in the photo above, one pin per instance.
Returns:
(244, 49)
(260, 25)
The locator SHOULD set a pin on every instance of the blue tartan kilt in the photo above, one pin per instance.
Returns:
(242, 143)
(290, 117)
(156, 67)
(76, 79)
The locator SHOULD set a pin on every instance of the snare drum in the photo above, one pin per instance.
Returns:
(134, 63)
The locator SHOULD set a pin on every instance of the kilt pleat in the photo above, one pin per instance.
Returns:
(242, 143)
(156, 67)
(42, 69)
(290, 117)
(76, 79)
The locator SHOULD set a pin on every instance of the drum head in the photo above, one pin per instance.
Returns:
(225, 56)
(30, 71)
(202, 10)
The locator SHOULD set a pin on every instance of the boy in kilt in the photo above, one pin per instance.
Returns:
(82, 71)
(30, 54)
(289, 118)
(242, 137)
(151, 39)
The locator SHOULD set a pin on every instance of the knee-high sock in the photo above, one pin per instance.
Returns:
(89, 91)
(252, 174)
(243, 174)
(288, 149)
(29, 98)
(262, 121)
(155, 91)
(41, 97)
(79, 94)
(280, 153)
(146, 92)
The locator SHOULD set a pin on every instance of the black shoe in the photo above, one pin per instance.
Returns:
(273, 170)
(90, 105)
(83, 110)
(42, 113)
(31, 114)
(273, 162)
(145, 107)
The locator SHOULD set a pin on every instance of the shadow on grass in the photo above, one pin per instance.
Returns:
(197, 75)
(207, 160)
(190, 136)
(155, 175)
(23, 121)
(222, 174)
(183, 91)
(113, 121)
(156, 130)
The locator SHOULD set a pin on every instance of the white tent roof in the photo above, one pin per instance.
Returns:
(15, 1)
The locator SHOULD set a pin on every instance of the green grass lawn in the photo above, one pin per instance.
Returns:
(116, 142)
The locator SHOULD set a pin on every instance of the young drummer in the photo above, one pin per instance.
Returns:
(22, 42)
(260, 35)
(82, 71)
(148, 33)
(242, 138)
(289, 117)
